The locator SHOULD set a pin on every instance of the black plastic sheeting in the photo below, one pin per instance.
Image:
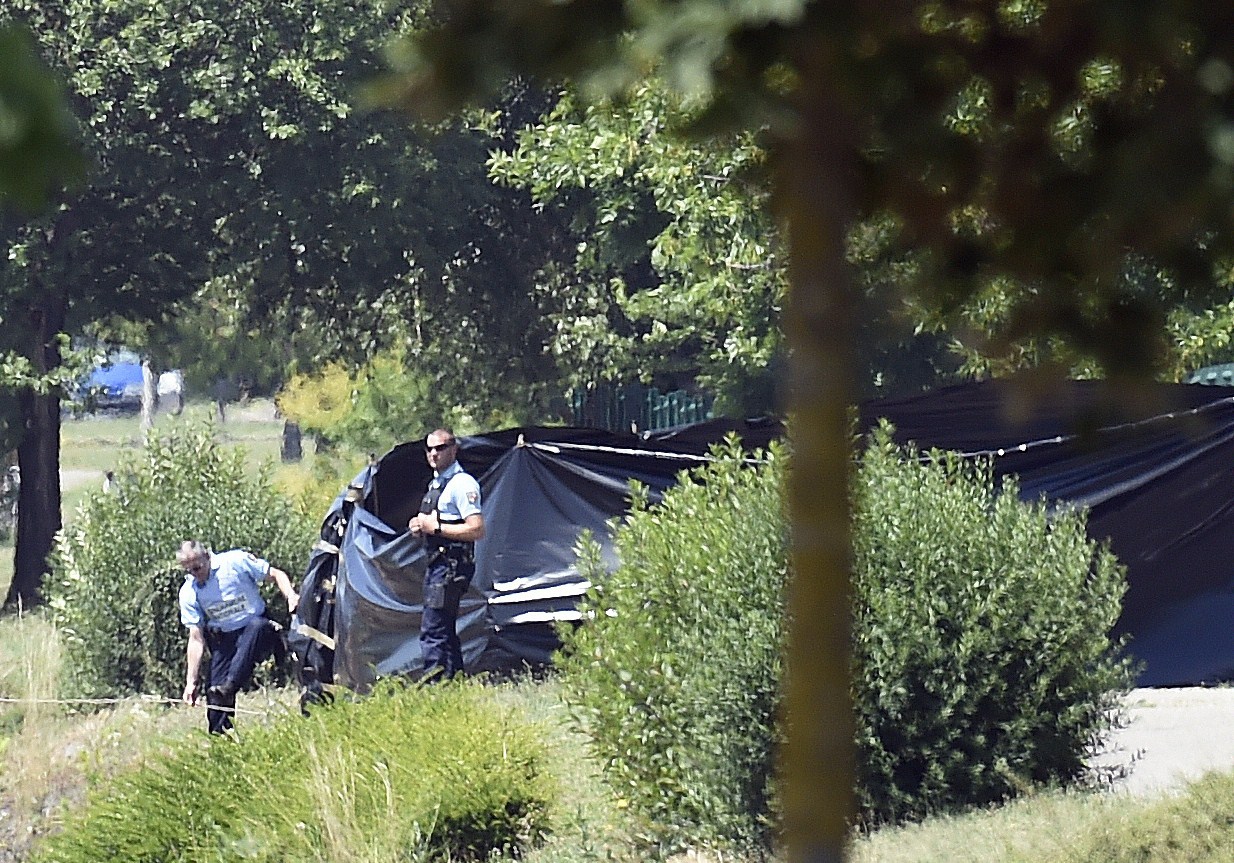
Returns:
(359, 617)
(1155, 467)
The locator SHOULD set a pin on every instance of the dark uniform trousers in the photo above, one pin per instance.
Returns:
(445, 581)
(450, 568)
(233, 656)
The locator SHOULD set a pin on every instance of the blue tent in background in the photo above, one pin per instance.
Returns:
(116, 385)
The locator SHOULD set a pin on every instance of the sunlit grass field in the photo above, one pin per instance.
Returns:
(95, 442)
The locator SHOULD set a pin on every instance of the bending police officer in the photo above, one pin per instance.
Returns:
(450, 522)
(222, 608)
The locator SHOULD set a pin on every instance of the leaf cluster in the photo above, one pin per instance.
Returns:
(382, 403)
(982, 661)
(677, 268)
(40, 147)
(676, 672)
(1059, 173)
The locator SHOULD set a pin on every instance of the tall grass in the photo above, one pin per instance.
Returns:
(6, 567)
(1032, 829)
(586, 822)
(54, 754)
(29, 659)
(48, 749)
(408, 773)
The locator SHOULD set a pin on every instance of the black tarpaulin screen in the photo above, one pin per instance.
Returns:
(541, 488)
(1155, 469)
(1155, 473)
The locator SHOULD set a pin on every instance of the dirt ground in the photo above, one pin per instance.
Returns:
(1175, 735)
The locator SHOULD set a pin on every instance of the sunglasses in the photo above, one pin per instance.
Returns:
(439, 447)
(200, 566)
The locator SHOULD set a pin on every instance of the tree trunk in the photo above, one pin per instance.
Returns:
(38, 456)
(149, 397)
(292, 450)
(815, 194)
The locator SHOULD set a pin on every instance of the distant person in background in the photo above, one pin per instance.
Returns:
(171, 389)
(222, 607)
(222, 395)
(450, 522)
(10, 494)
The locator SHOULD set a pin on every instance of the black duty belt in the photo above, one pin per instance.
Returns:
(463, 552)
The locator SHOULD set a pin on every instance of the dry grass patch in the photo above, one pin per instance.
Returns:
(51, 751)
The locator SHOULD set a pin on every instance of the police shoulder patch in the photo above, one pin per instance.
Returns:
(473, 496)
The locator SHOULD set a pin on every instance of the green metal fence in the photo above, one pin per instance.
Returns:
(632, 407)
(1219, 375)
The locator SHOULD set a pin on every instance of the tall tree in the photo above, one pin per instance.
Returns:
(679, 270)
(40, 153)
(870, 104)
(237, 185)
(677, 274)
(204, 123)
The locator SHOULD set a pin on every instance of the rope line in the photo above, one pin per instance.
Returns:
(1025, 446)
(145, 699)
(557, 446)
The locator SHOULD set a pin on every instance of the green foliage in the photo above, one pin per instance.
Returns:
(676, 673)
(1191, 827)
(982, 663)
(1200, 338)
(318, 402)
(679, 269)
(312, 485)
(379, 405)
(40, 148)
(114, 578)
(963, 123)
(410, 774)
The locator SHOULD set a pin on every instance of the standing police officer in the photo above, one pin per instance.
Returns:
(450, 523)
(222, 608)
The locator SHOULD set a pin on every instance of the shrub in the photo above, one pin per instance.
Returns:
(676, 674)
(414, 774)
(981, 662)
(114, 579)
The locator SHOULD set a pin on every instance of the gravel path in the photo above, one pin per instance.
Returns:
(1175, 735)
(71, 478)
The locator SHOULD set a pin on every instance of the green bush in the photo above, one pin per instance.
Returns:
(411, 774)
(982, 662)
(676, 675)
(114, 579)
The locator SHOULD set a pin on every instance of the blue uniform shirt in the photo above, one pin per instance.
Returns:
(460, 496)
(229, 598)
